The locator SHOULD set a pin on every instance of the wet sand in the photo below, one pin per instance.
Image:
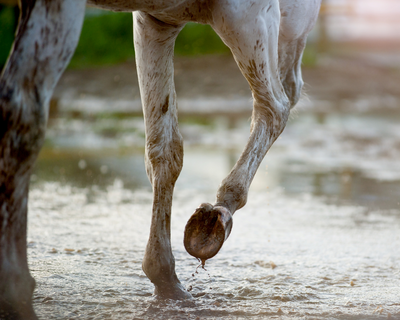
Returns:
(318, 238)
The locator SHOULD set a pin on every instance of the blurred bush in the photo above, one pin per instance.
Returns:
(106, 38)
(197, 39)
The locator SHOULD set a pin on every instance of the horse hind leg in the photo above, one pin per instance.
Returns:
(47, 35)
(252, 35)
(295, 24)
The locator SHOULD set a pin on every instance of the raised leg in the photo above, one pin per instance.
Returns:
(154, 48)
(252, 31)
(47, 35)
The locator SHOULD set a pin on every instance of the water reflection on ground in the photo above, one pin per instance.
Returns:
(351, 159)
(318, 238)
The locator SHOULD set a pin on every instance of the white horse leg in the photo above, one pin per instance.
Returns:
(298, 17)
(154, 49)
(47, 35)
(251, 30)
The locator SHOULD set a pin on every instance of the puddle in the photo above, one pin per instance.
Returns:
(346, 158)
(318, 238)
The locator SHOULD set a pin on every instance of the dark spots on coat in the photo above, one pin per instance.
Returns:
(22, 132)
(264, 105)
(6, 94)
(165, 106)
(45, 33)
(152, 110)
(25, 12)
(189, 14)
(30, 86)
(258, 45)
(27, 84)
(5, 116)
(36, 49)
(36, 94)
(139, 21)
(269, 8)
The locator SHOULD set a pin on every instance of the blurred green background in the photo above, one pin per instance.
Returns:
(106, 39)
(8, 22)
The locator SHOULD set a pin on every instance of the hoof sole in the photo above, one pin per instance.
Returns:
(207, 230)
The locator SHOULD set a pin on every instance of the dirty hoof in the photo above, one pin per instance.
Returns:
(206, 231)
(174, 292)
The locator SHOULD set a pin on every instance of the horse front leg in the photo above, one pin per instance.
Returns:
(154, 49)
(47, 35)
(251, 33)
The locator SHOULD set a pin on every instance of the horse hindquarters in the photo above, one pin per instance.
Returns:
(47, 36)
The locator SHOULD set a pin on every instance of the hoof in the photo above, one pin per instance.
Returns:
(173, 292)
(206, 231)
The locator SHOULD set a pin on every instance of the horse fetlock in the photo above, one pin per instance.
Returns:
(159, 263)
(159, 267)
(175, 291)
(232, 195)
